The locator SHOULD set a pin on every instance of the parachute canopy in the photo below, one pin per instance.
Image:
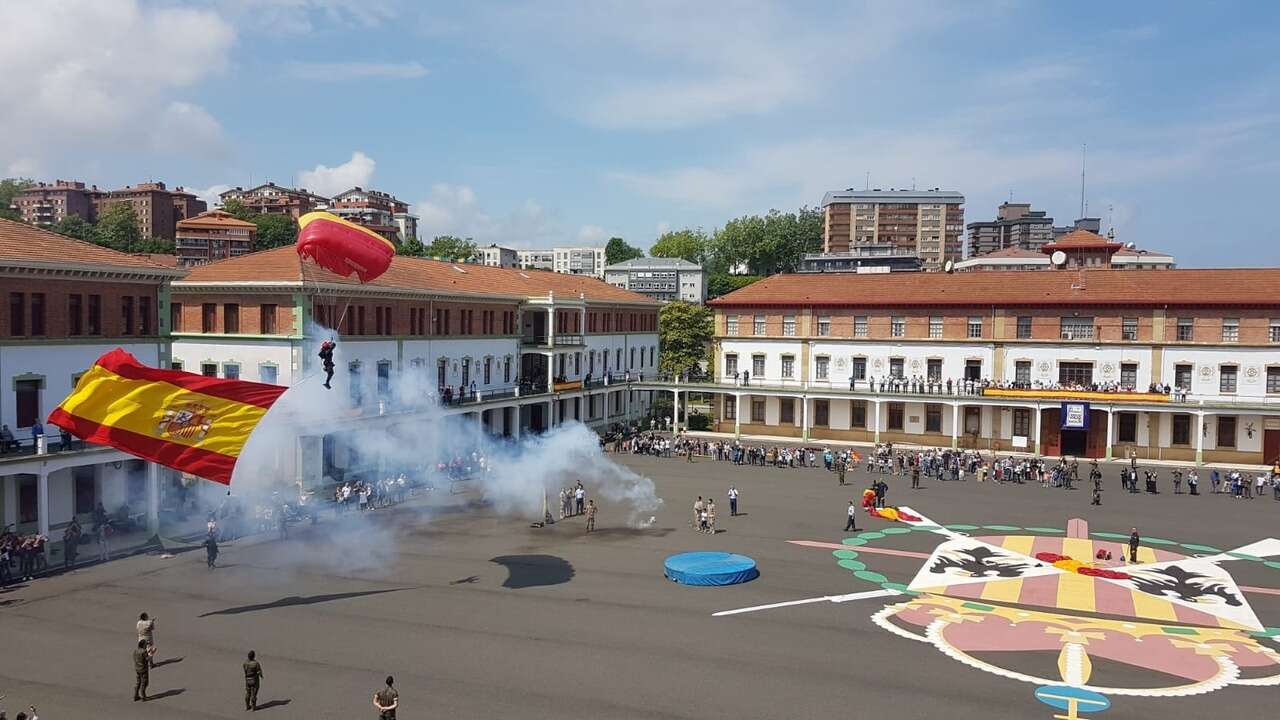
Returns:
(343, 247)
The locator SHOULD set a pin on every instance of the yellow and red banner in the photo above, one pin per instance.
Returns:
(188, 422)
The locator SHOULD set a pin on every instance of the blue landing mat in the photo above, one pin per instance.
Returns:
(710, 568)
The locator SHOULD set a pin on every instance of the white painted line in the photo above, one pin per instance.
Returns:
(826, 598)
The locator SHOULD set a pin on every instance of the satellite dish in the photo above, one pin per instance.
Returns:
(949, 266)
(1058, 257)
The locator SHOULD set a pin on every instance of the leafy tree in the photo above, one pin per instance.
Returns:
(237, 209)
(617, 250)
(9, 187)
(684, 336)
(722, 283)
(688, 244)
(154, 245)
(448, 247)
(76, 227)
(274, 230)
(412, 247)
(770, 244)
(117, 228)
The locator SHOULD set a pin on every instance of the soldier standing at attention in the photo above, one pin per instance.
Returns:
(387, 700)
(841, 468)
(591, 515)
(252, 679)
(141, 671)
(915, 476)
(1133, 545)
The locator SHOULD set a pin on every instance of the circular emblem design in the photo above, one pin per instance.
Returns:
(1251, 372)
(1044, 367)
(878, 364)
(1206, 371)
(841, 363)
(915, 364)
(1108, 369)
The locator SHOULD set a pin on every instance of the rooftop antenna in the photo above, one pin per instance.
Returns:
(1084, 148)
(913, 183)
(868, 186)
(1111, 226)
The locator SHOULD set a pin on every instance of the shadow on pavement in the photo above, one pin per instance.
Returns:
(169, 661)
(294, 600)
(274, 703)
(166, 694)
(524, 571)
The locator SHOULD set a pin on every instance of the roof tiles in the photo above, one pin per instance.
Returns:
(22, 243)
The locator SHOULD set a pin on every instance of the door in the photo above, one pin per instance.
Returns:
(1270, 446)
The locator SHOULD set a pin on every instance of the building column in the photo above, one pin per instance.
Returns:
(515, 427)
(1110, 430)
(551, 326)
(551, 372)
(804, 418)
(42, 501)
(876, 420)
(153, 498)
(1200, 438)
(1035, 432)
(675, 411)
(955, 426)
(9, 488)
(737, 417)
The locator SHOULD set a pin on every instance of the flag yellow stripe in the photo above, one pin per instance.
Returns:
(1152, 607)
(139, 406)
(1075, 592)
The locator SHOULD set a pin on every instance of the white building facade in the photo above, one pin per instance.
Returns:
(663, 279)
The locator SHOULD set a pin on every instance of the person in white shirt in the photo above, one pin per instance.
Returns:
(733, 501)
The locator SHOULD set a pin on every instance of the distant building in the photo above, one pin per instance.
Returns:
(1010, 258)
(158, 208)
(928, 223)
(381, 212)
(862, 259)
(1093, 225)
(45, 204)
(498, 256)
(271, 198)
(1016, 226)
(663, 279)
(536, 259)
(1079, 249)
(568, 260)
(214, 235)
(1132, 258)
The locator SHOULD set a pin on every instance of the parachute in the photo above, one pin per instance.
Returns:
(342, 247)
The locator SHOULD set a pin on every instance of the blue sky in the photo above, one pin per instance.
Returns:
(543, 123)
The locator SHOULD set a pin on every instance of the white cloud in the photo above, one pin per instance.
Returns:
(335, 71)
(663, 228)
(210, 194)
(330, 181)
(456, 210)
(83, 75)
(302, 17)
(592, 234)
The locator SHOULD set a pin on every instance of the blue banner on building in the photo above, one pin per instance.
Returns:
(1075, 416)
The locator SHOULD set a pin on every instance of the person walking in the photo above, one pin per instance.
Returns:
(147, 636)
(591, 515)
(141, 671)
(387, 700)
(852, 522)
(1134, 539)
(733, 501)
(252, 680)
(211, 551)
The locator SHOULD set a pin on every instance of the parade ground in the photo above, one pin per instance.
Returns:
(479, 616)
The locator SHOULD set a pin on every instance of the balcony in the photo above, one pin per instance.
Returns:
(559, 340)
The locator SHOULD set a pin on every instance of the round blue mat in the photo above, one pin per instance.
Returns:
(710, 568)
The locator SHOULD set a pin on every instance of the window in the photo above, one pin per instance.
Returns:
(1182, 377)
(731, 325)
(1021, 422)
(859, 368)
(1076, 328)
(17, 314)
(730, 408)
(935, 327)
(757, 410)
(933, 418)
(1227, 379)
(1273, 331)
(37, 314)
(788, 366)
(268, 374)
(75, 314)
(353, 380)
(1024, 327)
(757, 325)
(787, 410)
(231, 371)
(860, 326)
(95, 315)
(144, 315)
(1022, 372)
(1129, 328)
(27, 397)
(898, 326)
(1273, 380)
(972, 369)
(267, 319)
(757, 365)
(933, 369)
(1075, 373)
(384, 378)
(1230, 330)
(208, 317)
(821, 413)
(975, 327)
(896, 367)
(824, 325)
(1226, 431)
(858, 414)
(789, 325)
(632, 358)
(1181, 434)
(173, 365)
(488, 367)
(1186, 329)
(209, 369)
(126, 315)
(1126, 427)
(506, 369)
(731, 364)
(822, 367)
(1128, 375)
(895, 416)
(231, 317)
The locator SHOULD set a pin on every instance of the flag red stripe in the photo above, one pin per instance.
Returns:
(251, 393)
(203, 463)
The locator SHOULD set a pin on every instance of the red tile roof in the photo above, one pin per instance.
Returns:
(169, 261)
(215, 219)
(22, 243)
(1134, 288)
(410, 273)
(1081, 239)
(1010, 252)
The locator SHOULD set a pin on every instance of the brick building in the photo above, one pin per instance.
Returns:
(271, 198)
(158, 208)
(213, 235)
(928, 223)
(1016, 226)
(381, 212)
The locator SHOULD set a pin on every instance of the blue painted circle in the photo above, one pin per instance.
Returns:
(1060, 697)
(710, 568)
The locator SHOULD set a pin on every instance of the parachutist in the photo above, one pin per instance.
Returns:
(326, 355)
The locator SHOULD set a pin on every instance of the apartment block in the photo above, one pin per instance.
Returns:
(929, 223)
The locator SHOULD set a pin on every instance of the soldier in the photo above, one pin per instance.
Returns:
(252, 679)
(915, 476)
(211, 551)
(591, 515)
(841, 469)
(147, 635)
(387, 700)
(326, 358)
(1134, 540)
(142, 671)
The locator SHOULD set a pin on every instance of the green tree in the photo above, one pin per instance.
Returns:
(274, 230)
(688, 244)
(617, 250)
(412, 247)
(9, 187)
(237, 209)
(117, 228)
(76, 227)
(154, 245)
(448, 247)
(684, 336)
(767, 244)
(722, 283)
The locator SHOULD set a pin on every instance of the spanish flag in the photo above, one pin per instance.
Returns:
(188, 422)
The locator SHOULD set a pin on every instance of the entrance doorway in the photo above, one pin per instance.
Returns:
(1270, 445)
(1074, 442)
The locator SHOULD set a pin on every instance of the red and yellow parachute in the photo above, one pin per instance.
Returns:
(343, 247)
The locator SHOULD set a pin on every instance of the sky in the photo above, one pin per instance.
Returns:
(544, 123)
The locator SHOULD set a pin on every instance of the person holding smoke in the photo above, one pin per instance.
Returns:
(326, 356)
